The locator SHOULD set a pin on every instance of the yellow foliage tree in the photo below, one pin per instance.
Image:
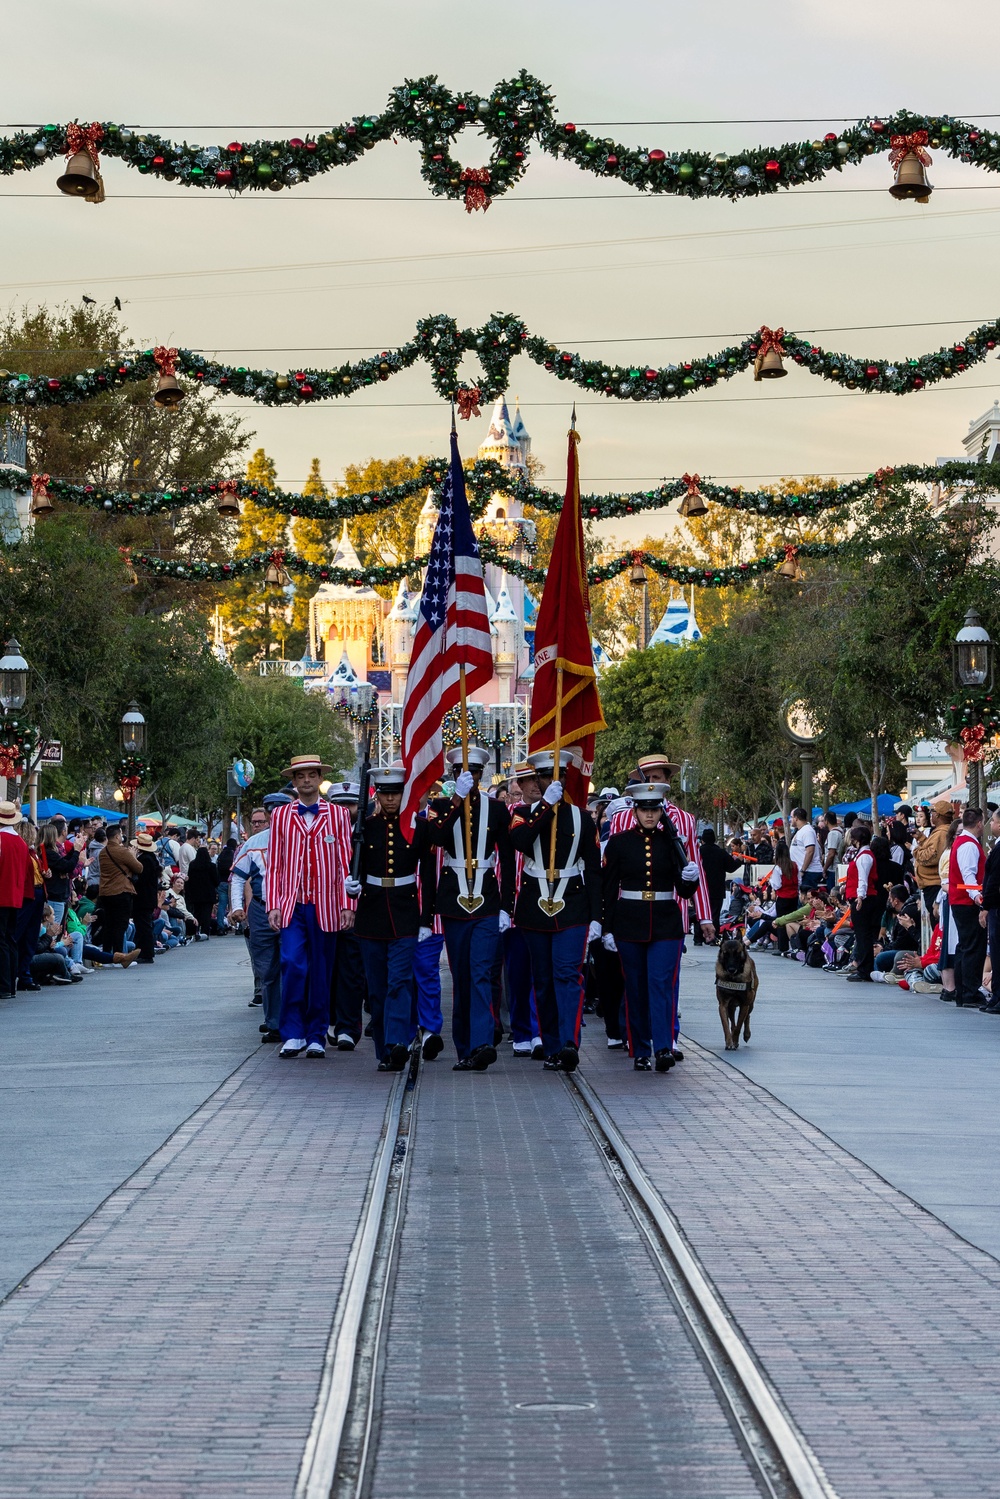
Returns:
(252, 619)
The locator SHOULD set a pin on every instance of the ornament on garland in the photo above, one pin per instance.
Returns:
(168, 392)
(467, 398)
(130, 572)
(477, 180)
(17, 741)
(977, 711)
(971, 739)
(41, 504)
(82, 177)
(790, 568)
(768, 365)
(131, 774)
(693, 502)
(227, 503)
(908, 154)
(275, 575)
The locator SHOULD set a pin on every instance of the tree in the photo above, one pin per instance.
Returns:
(248, 612)
(646, 702)
(269, 719)
(387, 536)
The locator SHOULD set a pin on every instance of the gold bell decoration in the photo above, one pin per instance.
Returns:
(82, 177)
(41, 505)
(130, 572)
(790, 568)
(909, 156)
(226, 502)
(638, 576)
(169, 392)
(275, 575)
(693, 502)
(768, 365)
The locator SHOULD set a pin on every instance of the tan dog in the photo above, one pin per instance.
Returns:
(736, 990)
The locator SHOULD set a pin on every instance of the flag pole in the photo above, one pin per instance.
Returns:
(556, 749)
(467, 805)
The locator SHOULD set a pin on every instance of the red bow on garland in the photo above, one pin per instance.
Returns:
(40, 486)
(972, 737)
(467, 398)
(768, 339)
(902, 145)
(477, 180)
(84, 138)
(165, 359)
(692, 481)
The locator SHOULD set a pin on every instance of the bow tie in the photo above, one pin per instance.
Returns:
(313, 808)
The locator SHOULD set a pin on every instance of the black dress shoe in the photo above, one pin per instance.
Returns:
(254, 1001)
(483, 1057)
(665, 1060)
(398, 1057)
(433, 1047)
(570, 1058)
(993, 1008)
(552, 1064)
(263, 1028)
(538, 1053)
(642, 1064)
(858, 978)
(27, 986)
(497, 1035)
(268, 1036)
(967, 1004)
(947, 996)
(464, 1064)
(677, 1054)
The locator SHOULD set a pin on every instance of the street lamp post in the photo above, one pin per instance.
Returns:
(972, 664)
(13, 692)
(133, 742)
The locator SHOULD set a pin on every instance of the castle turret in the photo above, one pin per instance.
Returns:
(347, 617)
(400, 628)
(426, 522)
(520, 433)
(504, 626)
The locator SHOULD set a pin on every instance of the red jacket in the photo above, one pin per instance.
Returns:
(17, 877)
(309, 865)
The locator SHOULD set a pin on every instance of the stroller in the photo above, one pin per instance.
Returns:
(733, 920)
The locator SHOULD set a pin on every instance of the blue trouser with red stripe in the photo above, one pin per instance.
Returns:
(520, 995)
(472, 948)
(427, 979)
(389, 972)
(307, 954)
(652, 974)
(557, 960)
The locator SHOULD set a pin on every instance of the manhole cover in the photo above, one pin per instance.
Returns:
(555, 1405)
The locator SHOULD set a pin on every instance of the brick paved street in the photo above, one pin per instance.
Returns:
(172, 1347)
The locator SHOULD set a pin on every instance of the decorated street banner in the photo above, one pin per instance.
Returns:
(565, 707)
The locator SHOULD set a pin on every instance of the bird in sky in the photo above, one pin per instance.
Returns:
(118, 303)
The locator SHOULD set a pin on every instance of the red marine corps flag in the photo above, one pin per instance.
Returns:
(565, 707)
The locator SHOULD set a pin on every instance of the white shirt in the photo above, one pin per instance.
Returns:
(805, 850)
(967, 859)
(866, 867)
(185, 858)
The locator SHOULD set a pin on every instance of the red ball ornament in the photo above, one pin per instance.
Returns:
(53, 384)
(223, 176)
(878, 127)
(461, 108)
(234, 147)
(651, 374)
(158, 161)
(612, 161)
(310, 145)
(296, 143)
(973, 135)
(569, 129)
(772, 168)
(306, 390)
(918, 382)
(830, 138)
(438, 157)
(872, 372)
(657, 155)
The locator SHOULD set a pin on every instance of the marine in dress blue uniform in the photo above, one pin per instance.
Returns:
(393, 912)
(558, 920)
(646, 874)
(525, 1031)
(474, 909)
(348, 990)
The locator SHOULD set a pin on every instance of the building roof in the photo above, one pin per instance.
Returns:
(678, 625)
(500, 442)
(504, 609)
(345, 556)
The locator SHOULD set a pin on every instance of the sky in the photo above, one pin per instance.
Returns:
(266, 278)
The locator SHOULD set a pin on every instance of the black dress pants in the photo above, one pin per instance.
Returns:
(8, 949)
(348, 990)
(970, 955)
(144, 940)
(866, 924)
(784, 905)
(116, 912)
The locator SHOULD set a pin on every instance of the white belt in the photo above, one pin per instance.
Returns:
(450, 862)
(391, 881)
(539, 872)
(646, 895)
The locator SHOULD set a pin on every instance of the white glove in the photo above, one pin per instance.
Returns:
(464, 784)
(690, 873)
(553, 793)
(353, 887)
(593, 932)
(504, 921)
(424, 932)
(609, 942)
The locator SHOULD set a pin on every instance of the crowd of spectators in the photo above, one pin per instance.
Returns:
(76, 897)
(912, 901)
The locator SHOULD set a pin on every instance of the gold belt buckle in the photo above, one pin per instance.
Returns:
(475, 863)
(648, 894)
(388, 882)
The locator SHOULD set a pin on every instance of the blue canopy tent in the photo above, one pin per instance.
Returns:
(51, 806)
(886, 805)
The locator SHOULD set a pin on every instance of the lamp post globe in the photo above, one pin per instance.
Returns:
(13, 677)
(972, 662)
(133, 742)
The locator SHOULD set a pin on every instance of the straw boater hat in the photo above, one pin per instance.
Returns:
(523, 772)
(657, 762)
(145, 840)
(307, 762)
(648, 796)
(543, 760)
(477, 756)
(10, 815)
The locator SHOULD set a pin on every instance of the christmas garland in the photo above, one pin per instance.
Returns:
(131, 773)
(279, 563)
(977, 709)
(511, 116)
(486, 478)
(17, 743)
(443, 345)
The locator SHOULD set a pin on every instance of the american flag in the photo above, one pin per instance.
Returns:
(453, 630)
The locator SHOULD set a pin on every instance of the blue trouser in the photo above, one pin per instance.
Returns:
(389, 972)
(520, 994)
(652, 973)
(265, 960)
(557, 960)
(222, 906)
(347, 997)
(472, 947)
(307, 954)
(427, 979)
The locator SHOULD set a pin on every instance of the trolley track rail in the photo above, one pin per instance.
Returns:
(339, 1455)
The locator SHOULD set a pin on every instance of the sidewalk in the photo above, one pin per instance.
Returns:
(903, 1081)
(94, 1077)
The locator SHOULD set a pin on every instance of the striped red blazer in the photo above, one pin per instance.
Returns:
(309, 865)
